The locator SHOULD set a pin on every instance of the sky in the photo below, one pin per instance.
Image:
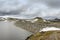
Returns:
(30, 8)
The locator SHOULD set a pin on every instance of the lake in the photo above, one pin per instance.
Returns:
(8, 31)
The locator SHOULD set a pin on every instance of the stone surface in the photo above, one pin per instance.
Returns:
(47, 35)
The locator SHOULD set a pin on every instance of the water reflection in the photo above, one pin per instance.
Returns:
(8, 31)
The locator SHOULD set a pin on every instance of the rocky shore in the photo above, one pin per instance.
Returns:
(47, 35)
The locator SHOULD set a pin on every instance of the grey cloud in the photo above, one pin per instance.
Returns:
(53, 3)
(8, 13)
(29, 9)
(11, 4)
(12, 7)
(49, 3)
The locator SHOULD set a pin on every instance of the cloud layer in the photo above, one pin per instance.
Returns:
(30, 8)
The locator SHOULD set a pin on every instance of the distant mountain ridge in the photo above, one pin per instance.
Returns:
(34, 24)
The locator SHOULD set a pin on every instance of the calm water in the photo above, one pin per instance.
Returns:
(8, 31)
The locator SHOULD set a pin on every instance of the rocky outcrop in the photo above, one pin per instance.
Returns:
(32, 25)
(36, 26)
(47, 35)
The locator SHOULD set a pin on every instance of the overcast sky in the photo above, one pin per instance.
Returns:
(30, 8)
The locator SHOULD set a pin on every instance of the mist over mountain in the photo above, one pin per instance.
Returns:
(30, 8)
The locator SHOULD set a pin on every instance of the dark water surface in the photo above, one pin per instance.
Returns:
(8, 31)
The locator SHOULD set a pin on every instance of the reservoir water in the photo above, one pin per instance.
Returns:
(8, 31)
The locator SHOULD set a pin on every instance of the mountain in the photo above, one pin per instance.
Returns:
(33, 25)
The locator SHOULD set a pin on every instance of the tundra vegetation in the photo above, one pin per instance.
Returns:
(37, 25)
(47, 35)
(34, 26)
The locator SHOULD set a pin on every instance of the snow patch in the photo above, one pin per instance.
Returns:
(49, 29)
(44, 20)
(10, 17)
(34, 20)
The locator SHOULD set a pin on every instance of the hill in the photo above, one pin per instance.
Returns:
(49, 35)
(33, 25)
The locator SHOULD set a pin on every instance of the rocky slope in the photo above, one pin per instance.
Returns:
(36, 24)
(47, 35)
(33, 25)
